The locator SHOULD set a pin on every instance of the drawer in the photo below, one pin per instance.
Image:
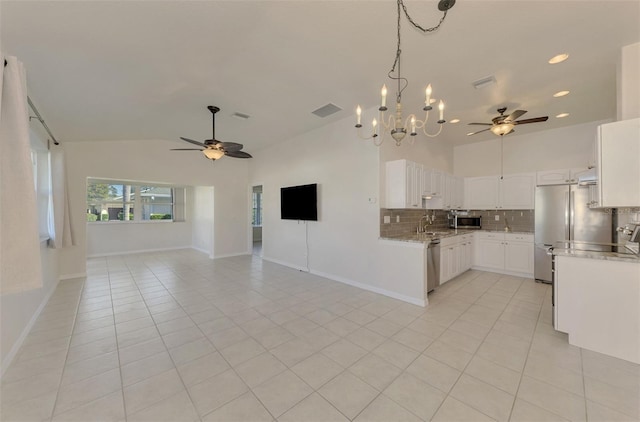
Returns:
(520, 237)
(489, 235)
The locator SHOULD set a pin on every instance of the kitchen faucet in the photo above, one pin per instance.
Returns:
(429, 219)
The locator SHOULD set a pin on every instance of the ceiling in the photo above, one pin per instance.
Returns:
(122, 70)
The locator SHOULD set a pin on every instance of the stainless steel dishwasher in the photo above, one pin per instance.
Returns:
(433, 265)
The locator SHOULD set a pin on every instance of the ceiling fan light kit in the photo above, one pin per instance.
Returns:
(395, 125)
(503, 125)
(212, 148)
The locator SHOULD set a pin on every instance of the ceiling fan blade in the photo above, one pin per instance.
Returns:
(482, 124)
(237, 154)
(483, 130)
(200, 144)
(185, 149)
(513, 116)
(534, 120)
(231, 146)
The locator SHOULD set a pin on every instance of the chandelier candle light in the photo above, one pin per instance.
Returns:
(395, 125)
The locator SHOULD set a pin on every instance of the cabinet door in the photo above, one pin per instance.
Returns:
(481, 193)
(491, 253)
(437, 182)
(517, 191)
(518, 257)
(577, 173)
(413, 185)
(396, 184)
(459, 193)
(445, 257)
(618, 170)
(553, 177)
(449, 191)
(427, 187)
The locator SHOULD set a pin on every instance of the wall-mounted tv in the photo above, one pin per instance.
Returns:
(299, 202)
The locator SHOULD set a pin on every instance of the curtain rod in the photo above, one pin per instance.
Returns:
(38, 116)
(41, 120)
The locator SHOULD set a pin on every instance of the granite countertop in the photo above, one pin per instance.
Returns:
(606, 256)
(424, 237)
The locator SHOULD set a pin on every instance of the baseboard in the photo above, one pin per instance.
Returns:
(374, 289)
(505, 272)
(286, 264)
(204, 251)
(231, 255)
(363, 286)
(139, 251)
(70, 276)
(25, 332)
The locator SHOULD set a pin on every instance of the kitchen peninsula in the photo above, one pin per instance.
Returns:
(597, 301)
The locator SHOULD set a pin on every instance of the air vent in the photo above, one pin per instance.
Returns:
(327, 110)
(484, 82)
(240, 116)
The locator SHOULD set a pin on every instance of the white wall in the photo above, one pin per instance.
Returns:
(202, 216)
(19, 311)
(151, 161)
(566, 147)
(343, 245)
(628, 82)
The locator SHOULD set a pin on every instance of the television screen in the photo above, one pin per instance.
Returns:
(299, 202)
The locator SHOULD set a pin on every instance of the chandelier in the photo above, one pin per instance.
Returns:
(394, 124)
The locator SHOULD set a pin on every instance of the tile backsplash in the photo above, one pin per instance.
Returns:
(517, 220)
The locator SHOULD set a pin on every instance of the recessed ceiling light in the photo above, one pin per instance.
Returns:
(455, 121)
(561, 94)
(559, 58)
(561, 115)
(470, 133)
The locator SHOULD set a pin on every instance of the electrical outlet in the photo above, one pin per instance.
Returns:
(397, 218)
(497, 218)
(387, 219)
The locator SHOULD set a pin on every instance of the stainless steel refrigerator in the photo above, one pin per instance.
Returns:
(562, 215)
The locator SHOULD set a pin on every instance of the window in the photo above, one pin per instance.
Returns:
(111, 200)
(256, 214)
(42, 185)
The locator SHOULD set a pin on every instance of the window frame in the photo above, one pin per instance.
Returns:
(137, 203)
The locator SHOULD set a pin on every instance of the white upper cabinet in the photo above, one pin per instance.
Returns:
(454, 192)
(560, 177)
(553, 177)
(481, 193)
(513, 192)
(618, 163)
(517, 191)
(403, 184)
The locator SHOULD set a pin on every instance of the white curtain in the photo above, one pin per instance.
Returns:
(20, 267)
(61, 235)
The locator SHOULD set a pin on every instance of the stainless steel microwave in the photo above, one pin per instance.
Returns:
(465, 222)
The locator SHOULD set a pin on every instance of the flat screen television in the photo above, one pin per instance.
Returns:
(299, 202)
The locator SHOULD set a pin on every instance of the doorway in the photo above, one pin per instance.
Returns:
(256, 219)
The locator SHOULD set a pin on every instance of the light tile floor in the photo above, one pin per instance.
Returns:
(177, 337)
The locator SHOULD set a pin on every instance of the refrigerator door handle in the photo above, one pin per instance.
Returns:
(567, 217)
(571, 215)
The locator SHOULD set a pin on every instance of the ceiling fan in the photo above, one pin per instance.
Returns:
(503, 125)
(212, 148)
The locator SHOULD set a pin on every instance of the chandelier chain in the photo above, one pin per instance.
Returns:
(396, 62)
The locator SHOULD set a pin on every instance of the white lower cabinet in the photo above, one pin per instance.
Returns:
(455, 256)
(508, 253)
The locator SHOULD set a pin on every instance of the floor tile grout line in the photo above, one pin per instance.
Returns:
(124, 402)
(55, 403)
(175, 367)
